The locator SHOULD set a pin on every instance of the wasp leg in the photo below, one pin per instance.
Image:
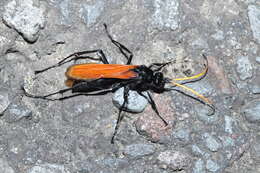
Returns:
(120, 117)
(76, 56)
(154, 107)
(159, 65)
(46, 97)
(121, 47)
(88, 91)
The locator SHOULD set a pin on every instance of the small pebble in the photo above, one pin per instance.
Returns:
(136, 102)
(219, 35)
(196, 150)
(166, 14)
(5, 167)
(4, 101)
(90, 13)
(244, 68)
(139, 150)
(229, 124)
(182, 135)
(17, 112)
(200, 43)
(115, 163)
(256, 148)
(199, 167)
(252, 111)
(257, 59)
(175, 160)
(48, 168)
(203, 113)
(253, 15)
(212, 166)
(227, 141)
(212, 143)
(25, 18)
(254, 85)
(151, 126)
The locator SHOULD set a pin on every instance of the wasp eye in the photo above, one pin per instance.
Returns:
(158, 78)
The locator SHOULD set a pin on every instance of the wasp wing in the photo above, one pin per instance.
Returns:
(90, 72)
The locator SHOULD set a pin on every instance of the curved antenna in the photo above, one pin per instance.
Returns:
(204, 100)
(197, 77)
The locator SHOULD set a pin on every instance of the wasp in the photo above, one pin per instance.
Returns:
(90, 79)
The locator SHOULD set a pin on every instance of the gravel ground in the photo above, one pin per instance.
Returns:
(73, 136)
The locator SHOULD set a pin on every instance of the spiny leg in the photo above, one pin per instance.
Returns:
(76, 56)
(154, 107)
(120, 117)
(121, 47)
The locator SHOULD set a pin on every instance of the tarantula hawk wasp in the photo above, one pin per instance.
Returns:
(90, 79)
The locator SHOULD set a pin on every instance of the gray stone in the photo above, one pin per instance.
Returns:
(256, 148)
(197, 151)
(139, 150)
(50, 168)
(200, 43)
(115, 163)
(229, 124)
(166, 14)
(4, 166)
(234, 43)
(253, 15)
(211, 142)
(204, 114)
(212, 166)
(219, 35)
(244, 68)
(227, 141)
(257, 59)
(5, 43)
(254, 85)
(182, 134)
(136, 102)
(90, 13)
(212, 10)
(64, 9)
(3, 145)
(17, 112)
(199, 167)
(203, 86)
(175, 160)
(4, 101)
(25, 18)
(252, 111)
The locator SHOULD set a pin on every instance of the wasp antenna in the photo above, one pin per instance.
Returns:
(197, 76)
(204, 56)
(203, 99)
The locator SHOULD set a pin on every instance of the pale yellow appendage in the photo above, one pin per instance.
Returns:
(204, 99)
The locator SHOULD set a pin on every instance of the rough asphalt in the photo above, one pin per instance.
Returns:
(73, 136)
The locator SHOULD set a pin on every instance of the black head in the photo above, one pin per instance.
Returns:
(158, 82)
